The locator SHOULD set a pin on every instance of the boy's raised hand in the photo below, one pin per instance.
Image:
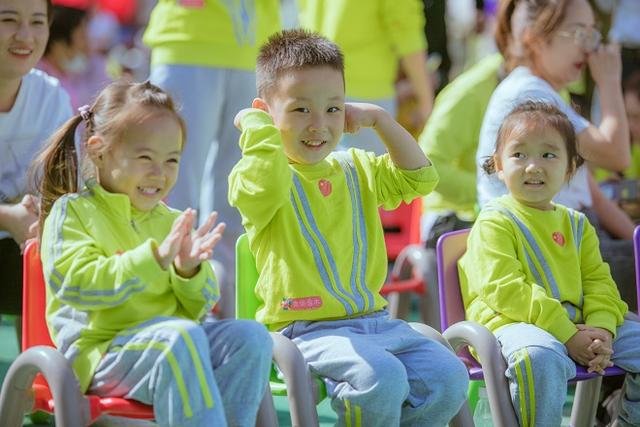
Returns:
(197, 247)
(237, 120)
(360, 115)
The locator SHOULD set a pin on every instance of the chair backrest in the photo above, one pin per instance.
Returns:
(401, 227)
(450, 247)
(636, 252)
(34, 324)
(246, 278)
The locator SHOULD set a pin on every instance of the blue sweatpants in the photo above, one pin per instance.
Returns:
(380, 372)
(539, 368)
(209, 374)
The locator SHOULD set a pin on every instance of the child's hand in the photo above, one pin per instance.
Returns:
(603, 357)
(237, 120)
(360, 115)
(168, 249)
(578, 347)
(197, 247)
(603, 349)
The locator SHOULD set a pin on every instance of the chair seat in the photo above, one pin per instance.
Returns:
(98, 406)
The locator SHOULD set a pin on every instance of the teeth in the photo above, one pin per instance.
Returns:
(149, 190)
(313, 143)
(20, 51)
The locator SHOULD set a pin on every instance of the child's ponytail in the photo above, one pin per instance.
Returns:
(56, 167)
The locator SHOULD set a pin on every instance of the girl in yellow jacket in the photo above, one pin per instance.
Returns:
(127, 279)
(533, 274)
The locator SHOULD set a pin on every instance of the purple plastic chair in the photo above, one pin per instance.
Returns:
(491, 366)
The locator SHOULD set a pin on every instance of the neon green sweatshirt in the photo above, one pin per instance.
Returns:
(450, 138)
(315, 230)
(539, 267)
(102, 276)
(373, 35)
(218, 33)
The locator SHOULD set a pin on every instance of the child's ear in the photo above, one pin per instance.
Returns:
(498, 167)
(95, 147)
(260, 104)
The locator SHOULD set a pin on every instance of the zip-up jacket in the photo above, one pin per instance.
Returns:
(102, 276)
(314, 229)
(539, 267)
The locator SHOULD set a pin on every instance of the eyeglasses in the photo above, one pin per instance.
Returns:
(587, 38)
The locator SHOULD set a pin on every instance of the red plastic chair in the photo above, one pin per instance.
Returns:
(491, 366)
(41, 379)
(402, 229)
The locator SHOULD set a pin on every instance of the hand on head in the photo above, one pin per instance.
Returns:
(360, 115)
(186, 250)
(237, 120)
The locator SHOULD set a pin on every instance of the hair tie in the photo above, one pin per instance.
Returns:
(85, 112)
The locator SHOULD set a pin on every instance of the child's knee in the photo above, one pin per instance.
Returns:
(542, 359)
(253, 336)
(450, 376)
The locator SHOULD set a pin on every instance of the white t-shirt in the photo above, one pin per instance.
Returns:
(41, 107)
(519, 86)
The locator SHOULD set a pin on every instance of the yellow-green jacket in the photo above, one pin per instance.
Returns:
(539, 267)
(315, 230)
(373, 35)
(102, 276)
(220, 34)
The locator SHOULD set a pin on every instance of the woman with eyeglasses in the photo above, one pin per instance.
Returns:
(554, 42)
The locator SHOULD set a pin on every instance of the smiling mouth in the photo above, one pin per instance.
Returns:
(316, 143)
(20, 51)
(149, 191)
(534, 182)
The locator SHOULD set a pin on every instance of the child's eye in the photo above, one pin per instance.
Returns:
(176, 161)
(333, 109)
(549, 155)
(144, 157)
(38, 22)
(518, 155)
(301, 110)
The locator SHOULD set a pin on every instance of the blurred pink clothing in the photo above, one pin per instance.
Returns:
(82, 88)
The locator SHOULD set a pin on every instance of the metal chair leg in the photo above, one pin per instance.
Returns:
(585, 403)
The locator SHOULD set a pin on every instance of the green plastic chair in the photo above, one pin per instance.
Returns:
(292, 377)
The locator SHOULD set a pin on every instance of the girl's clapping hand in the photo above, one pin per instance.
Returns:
(197, 247)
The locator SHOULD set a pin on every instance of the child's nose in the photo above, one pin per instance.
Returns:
(533, 167)
(317, 122)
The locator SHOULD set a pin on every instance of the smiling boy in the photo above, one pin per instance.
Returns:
(311, 215)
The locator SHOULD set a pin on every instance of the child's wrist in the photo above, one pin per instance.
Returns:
(186, 273)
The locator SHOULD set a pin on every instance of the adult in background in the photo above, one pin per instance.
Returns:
(32, 106)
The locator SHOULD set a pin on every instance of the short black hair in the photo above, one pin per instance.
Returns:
(294, 49)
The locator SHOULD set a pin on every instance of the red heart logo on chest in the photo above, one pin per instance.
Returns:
(325, 187)
(558, 238)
